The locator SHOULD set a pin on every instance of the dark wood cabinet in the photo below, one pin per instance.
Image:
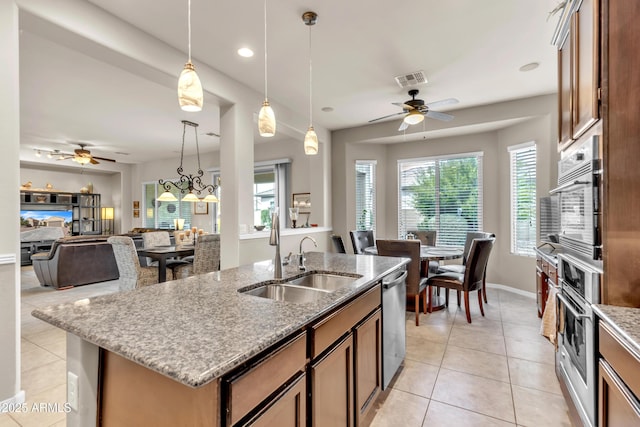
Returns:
(289, 408)
(332, 387)
(618, 381)
(546, 275)
(579, 73)
(368, 363)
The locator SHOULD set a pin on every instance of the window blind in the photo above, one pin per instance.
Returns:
(443, 194)
(365, 195)
(523, 199)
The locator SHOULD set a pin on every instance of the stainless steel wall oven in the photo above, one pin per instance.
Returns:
(575, 358)
(579, 179)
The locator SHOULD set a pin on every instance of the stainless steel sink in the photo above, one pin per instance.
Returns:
(323, 281)
(284, 292)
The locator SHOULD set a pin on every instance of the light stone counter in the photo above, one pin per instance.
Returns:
(625, 321)
(198, 329)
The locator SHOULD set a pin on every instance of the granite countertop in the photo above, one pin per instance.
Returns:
(197, 329)
(625, 321)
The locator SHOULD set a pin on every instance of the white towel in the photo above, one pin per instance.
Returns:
(548, 327)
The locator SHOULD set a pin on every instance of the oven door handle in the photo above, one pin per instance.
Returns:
(567, 185)
(569, 306)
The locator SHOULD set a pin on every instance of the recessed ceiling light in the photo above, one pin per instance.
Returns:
(327, 109)
(245, 52)
(530, 66)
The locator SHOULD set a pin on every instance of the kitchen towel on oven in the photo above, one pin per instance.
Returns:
(549, 325)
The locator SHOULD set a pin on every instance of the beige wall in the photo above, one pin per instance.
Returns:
(9, 214)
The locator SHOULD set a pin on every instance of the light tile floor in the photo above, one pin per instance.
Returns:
(497, 371)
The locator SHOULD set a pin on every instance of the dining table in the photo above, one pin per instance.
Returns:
(163, 253)
(430, 253)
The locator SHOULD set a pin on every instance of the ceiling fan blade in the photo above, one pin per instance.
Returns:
(93, 161)
(403, 105)
(438, 115)
(448, 101)
(403, 126)
(385, 117)
(103, 158)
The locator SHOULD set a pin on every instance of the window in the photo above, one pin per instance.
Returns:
(157, 214)
(443, 194)
(523, 199)
(365, 195)
(270, 189)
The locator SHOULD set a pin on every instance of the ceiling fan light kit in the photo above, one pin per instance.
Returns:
(414, 117)
(310, 138)
(266, 117)
(190, 96)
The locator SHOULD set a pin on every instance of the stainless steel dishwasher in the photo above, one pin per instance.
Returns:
(394, 300)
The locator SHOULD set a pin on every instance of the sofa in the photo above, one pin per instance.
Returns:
(75, 261)
(81, 260)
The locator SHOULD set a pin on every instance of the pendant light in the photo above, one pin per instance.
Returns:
(266, 118)
(190, 95)
(310, 139)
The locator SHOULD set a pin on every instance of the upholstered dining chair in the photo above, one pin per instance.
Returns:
(206, 257)
(152, 239)
(426, 237)
(471, 280)
(361, 239)
(338, 244)
(132, 275)
(416, 284)
(459, 268)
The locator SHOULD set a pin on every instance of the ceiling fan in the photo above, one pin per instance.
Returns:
(82, 156)
(415, 110)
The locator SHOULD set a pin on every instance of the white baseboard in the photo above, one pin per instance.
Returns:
(18, 399)
(527, 294)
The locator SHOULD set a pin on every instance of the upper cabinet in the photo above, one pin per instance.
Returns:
(578, 41)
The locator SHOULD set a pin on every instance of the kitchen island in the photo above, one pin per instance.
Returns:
(184, 348)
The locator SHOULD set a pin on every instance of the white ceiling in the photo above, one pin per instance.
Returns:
(469, 49)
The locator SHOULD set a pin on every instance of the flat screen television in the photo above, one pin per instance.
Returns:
(44, 218)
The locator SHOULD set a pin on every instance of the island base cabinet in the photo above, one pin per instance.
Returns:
(288, 410)
(332, 387)
(368, 372)
(132, 395)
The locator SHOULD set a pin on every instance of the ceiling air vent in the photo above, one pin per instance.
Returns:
(411, 79)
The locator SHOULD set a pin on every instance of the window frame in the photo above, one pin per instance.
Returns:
(437, 163)
(370, 202)
(523, 152)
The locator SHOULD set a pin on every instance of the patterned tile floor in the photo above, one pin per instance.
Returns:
(496, 371)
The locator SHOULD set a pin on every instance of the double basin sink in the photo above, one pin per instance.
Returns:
(308, 288)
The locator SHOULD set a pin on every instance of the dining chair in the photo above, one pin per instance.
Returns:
(459, 268)
(361, 239)
(338, 244)
(152, 239)
(426, 237)
(416, 283)
(471, 280)
(206, 258)
(132, 274)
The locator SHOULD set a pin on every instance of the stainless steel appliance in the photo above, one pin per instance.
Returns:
(580, 204)
(575, 358)
(394, 300)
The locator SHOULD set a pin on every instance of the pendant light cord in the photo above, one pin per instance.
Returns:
(265, 50)
(310, 82)
(189, 26)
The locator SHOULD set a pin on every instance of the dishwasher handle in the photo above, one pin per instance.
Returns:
(398, 280)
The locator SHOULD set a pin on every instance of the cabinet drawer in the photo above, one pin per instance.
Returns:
(252, 386)
(621, 359)
(326, 332)
(553, 273)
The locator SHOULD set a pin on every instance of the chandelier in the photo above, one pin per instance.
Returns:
(188, 184)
